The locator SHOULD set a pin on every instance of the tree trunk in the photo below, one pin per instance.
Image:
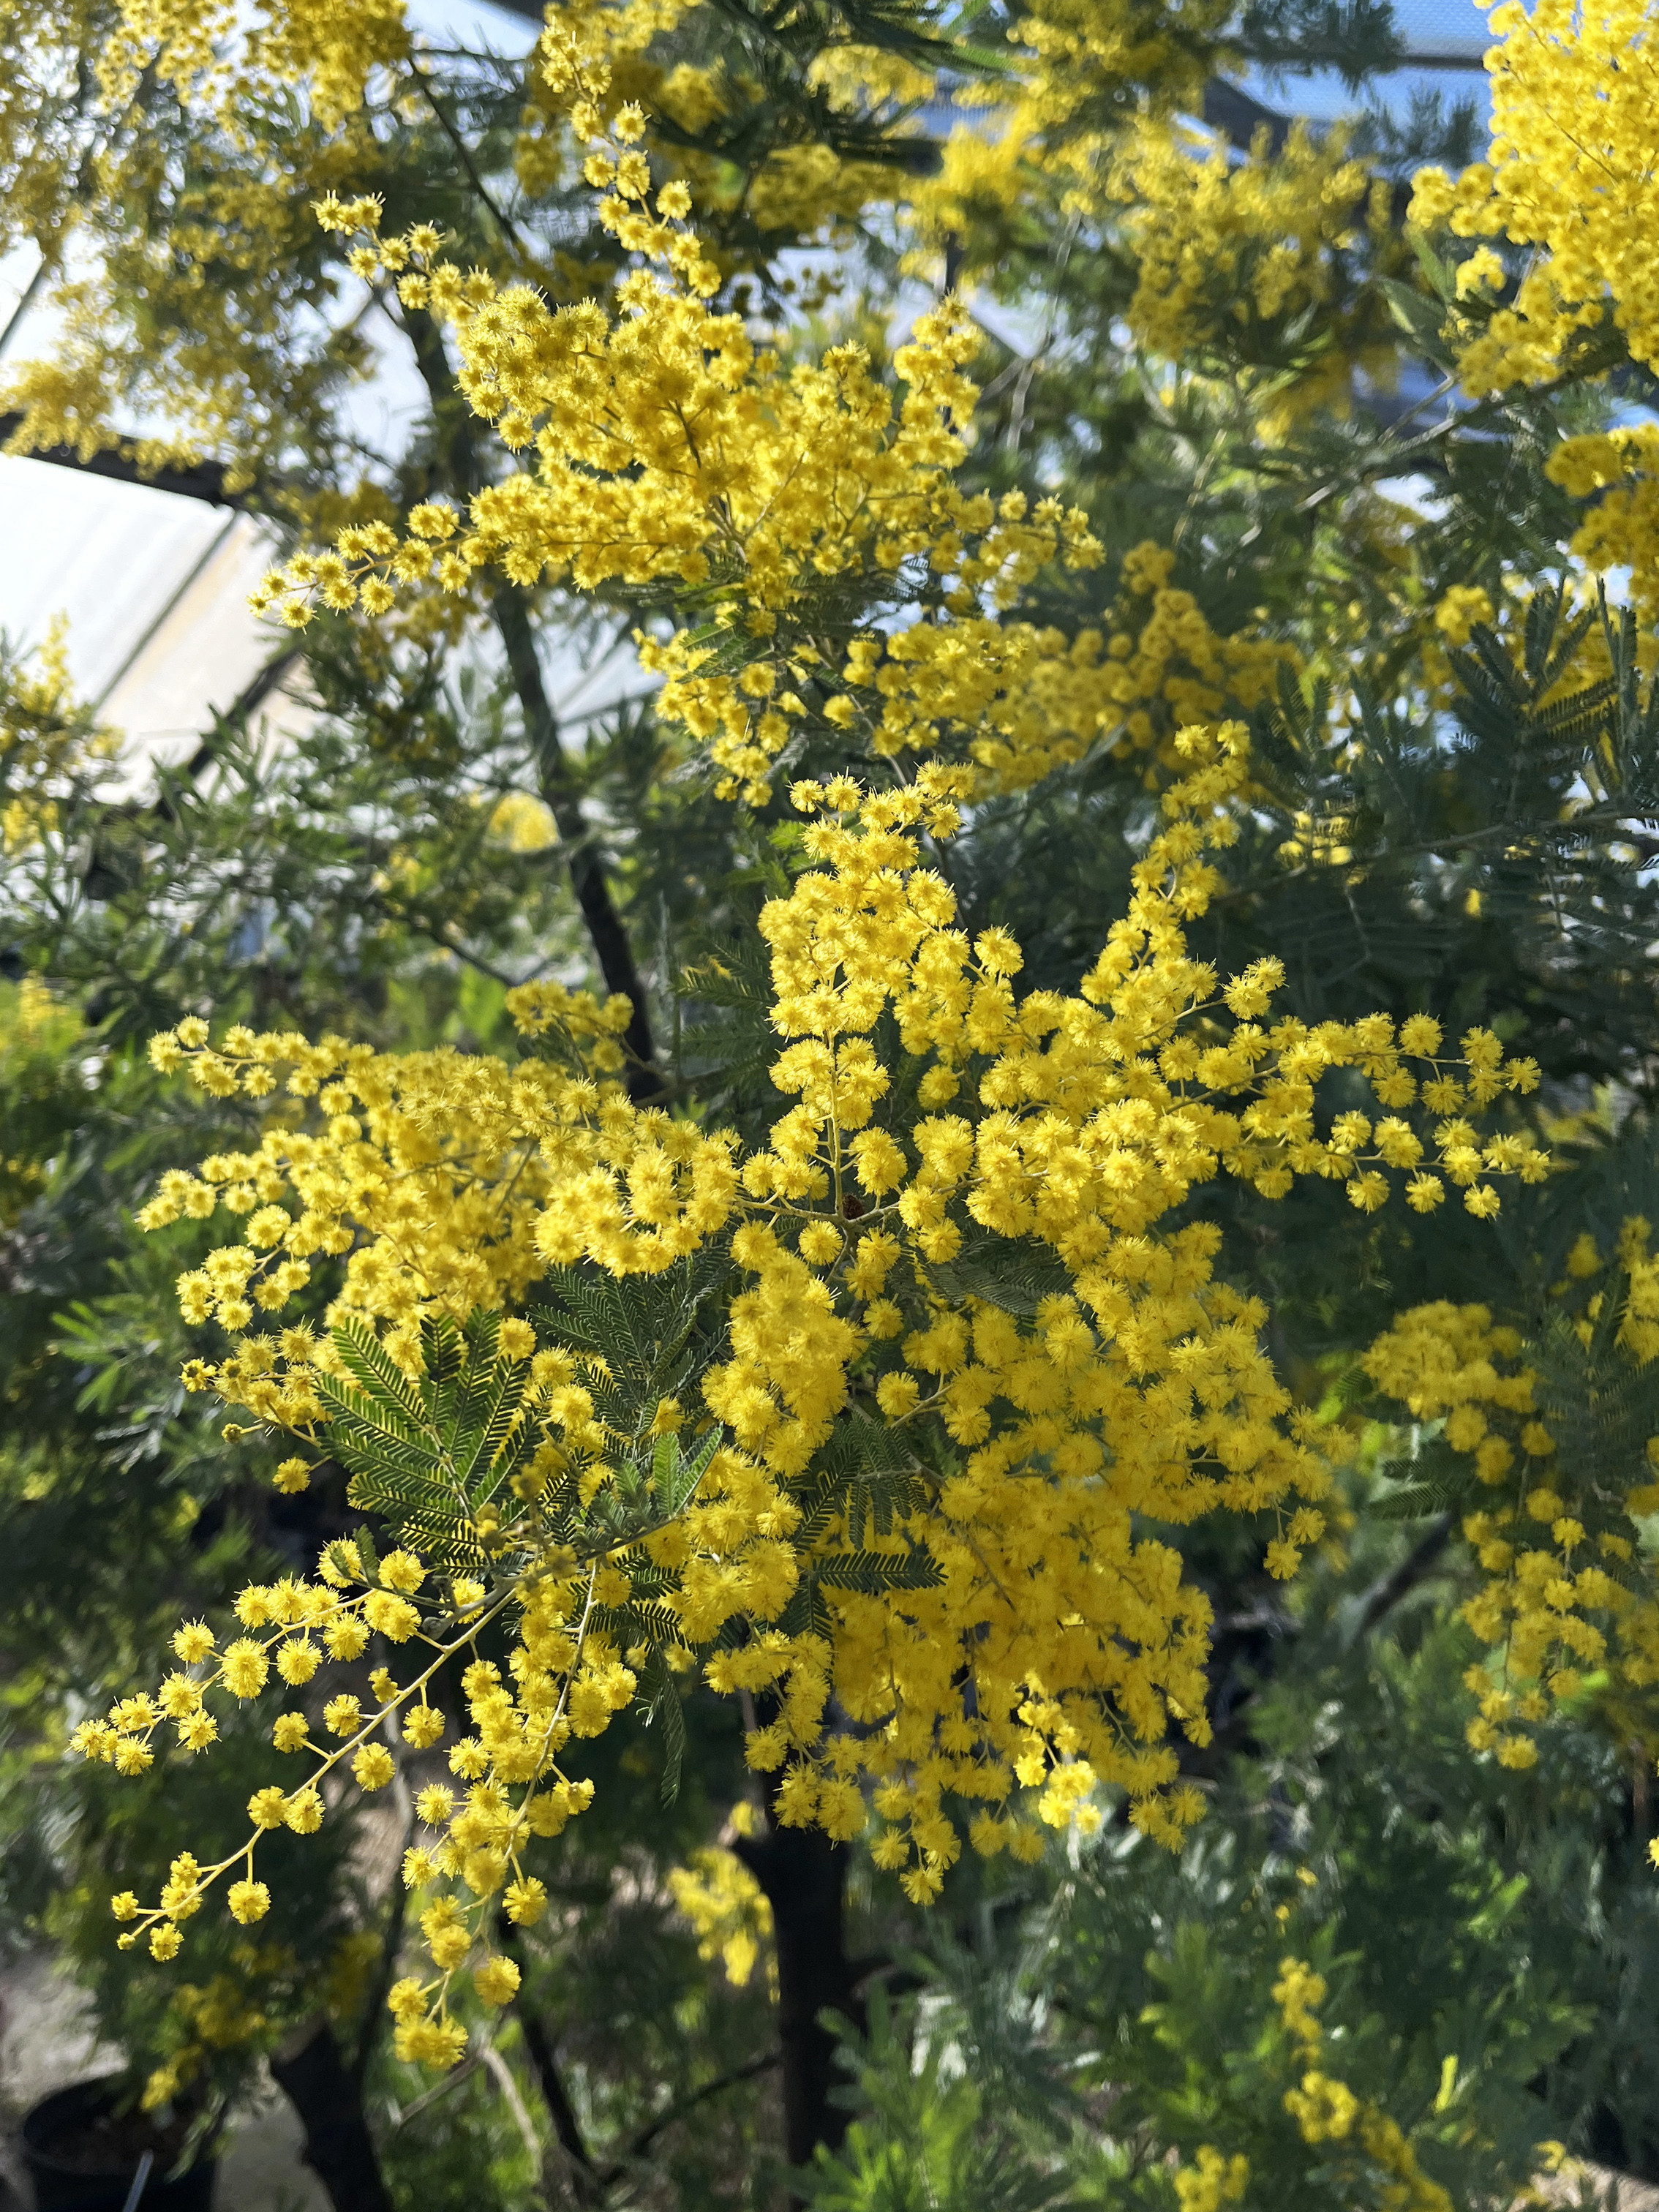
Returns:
(456, 443)
(605, 928)
(803, 1876)
(339, 2149)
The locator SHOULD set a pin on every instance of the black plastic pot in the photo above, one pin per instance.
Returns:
(82, 2154)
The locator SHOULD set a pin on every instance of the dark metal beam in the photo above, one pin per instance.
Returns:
(203, 480)
(1238, 118)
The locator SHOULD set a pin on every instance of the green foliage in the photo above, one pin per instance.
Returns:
(925, 2140)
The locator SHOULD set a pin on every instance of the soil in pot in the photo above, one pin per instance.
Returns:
(82, 2152)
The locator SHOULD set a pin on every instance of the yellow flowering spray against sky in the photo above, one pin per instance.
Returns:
(1571, 178)
(777, 501)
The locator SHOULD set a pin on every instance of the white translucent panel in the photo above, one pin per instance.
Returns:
(201, 655)
(108, 556)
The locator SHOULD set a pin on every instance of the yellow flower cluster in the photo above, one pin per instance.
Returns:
(1460, 610)
(217, 2016)
(1326, 2111)
(593, 60)
(225, 56)
(583, 41)
(589, 59)
(1018, 701)
(987, 168)
(803, 188)
(218, 362)
(726, 1908)
(566, 1682)
(1556, 1544)
(1092, 62)
(1571, 177)
(34, 1029)
(45, 737)
(524, 822)
(1227, 251)
(668, 446)
(1211, 2180)
(1619, 471)
(1036, 1446)
(41, 50)
(253, 2002)
(1572, 173)
(437, 1174)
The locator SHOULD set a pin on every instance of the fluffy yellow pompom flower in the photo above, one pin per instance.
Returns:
(193, 1642)
(496, 1981)
(524, 1901)
(248, 1901)
(245, 1668)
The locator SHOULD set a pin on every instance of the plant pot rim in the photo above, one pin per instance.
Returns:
(92, 2093)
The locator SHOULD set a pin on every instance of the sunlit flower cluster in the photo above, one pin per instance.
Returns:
(1571, 178)
(1035, 1440)
(217, 54)
(1015, 700)
(1228, 254)
(1572, 173)
(726, 1905)
(669, 447)
(46, 736)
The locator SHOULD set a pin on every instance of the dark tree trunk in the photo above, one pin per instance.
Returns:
(804, 1875)
(605, 928)
(457, 445)
(339, 2149)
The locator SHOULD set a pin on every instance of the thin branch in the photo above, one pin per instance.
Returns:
(539, 2046)
(1382, 1598)
(510, 608)
(1614, 822)
(26, 299)
(504, 222)
(643, 2140)
(403, 2114)
(247, 701)
(515, 2103)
